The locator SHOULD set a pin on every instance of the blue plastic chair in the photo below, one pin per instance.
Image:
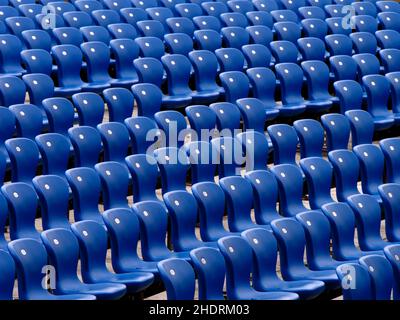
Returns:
(29, 120)
(114, 177)
(92, 238)
(290, 77)
(343, 223)
(182, 208)
(149, 70)
(378, 93)
(260, 18)
(367, 64)
(284, 15)
(30, 258)
(90, 108)
(290, 183)
(55, 150)
(264, 278)
(284, 51)
(148, 98)
(12, 90)
(265, 195)
(202, 159)
(388, 192)
(181, 288)
(36, 39)
(144, 172)
(104, 17)
(95, 33)
(255, 114)
(238, 260)
(172, 123)
(37, 61)
(337, 128)
(390, 147)
(393, 78)
(391, 6)
(173, 164)
(120, 102)
(60, 114)
(202, 120)
(181, 25)
(8, 275)
(177, 68)
(6, 132)
(287, 30)
(22, 205)
(388, 39)
(151, 28)
(317, 231)
(207, 23)
(231, 159)
(24, 159)
(260, 35)
(318, 172)
(391, 252)
(239, 208)
(311, 136)
(372, 164)
(314, 28)
(228, 116)
(236, 85)
(343, 67)
(188, 10)
(10, 62)
(364, 42)
(205, 66)
(255, 148)
(68, 35)
(153, 228)
(381, 274)
(389, 20)
(124, 51)
(132, 15)
(350, 95)
(311, 48)
(178, 43)
(368, 215)
(124, 231)
(115, 138)
(143, 132)
(362, 127)
(284, 140)
(122, 31)
(291, 243)
(211, 203)
(233, 19)
(390, 60)
(86, 142)
(356, 282)
(230, 59)
(214, 9)
(339, 44)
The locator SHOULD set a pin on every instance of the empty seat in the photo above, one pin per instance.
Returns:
(144, 4)
(287, 30)
(257, 55)
(357, 280)
(265, 5)
(343, 67)
(385, 6)
(115, 138)
(90, 107)
(260, 18)
(177, 68)
(30, 10)
(390, 147)
(92, 238)
(8, 275)
(160, 14)
(29, 120)
(68, 35)
(77, 19)
(39, 87)
(388, 192)
(284, 51)
(346, 169)
(362, 127)
(188, 10)
(207, 39)
(151, 28)
(234, 19)
(121, 225)
(390, 253)
(364, 42)
(378, 93)
(290, 183)
(317, 230)
(86, 142)
(236, 85)
(104, 17)
(252, 110)
(228, 116)
(230, 158)
(365, 23)
(311, 48)
(235, 37)
(205, 65)
(95, 33)
(255, 147)
(182, 289)
(335, 26)
(133, 15)
(393, 78)
(182, 208)
(114, 177)
(284, 15)
(55, 150)
(339, 44)
(388, 39)
(337, 129)
(314, 28)
(390, 60)
(68, 59)
(88, 5)
(86, 188)
(230, 59)
(284, 139)
(289, 232)
(350, 95)
(181, 25)
(367, 63)
(18, 24)
(12, 91)
(311, 136)
(260, 35)
(178, 43)
(36, 39)
(237, 254)
(29, 272)
(120, 102)
(367, 8)
(173, 164)
(390, 20)
(37, 61)
(290, 77)
(153, 227)
(319, 98)
(150, 70)
(202, 120)
(214, 8)
(143, 132)
(148, 99)
(207, 23)
(60, 114)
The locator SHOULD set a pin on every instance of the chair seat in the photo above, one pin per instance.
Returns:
(124, 82)
(132, 265)
(329, 277)
(319, 105)
(258, 295)
(96, 86)
(271, 113)
(289, 110)
(306, 289)
(67, 91)
(103, 291)
(383, 123)
(206, 96)
(176, 101)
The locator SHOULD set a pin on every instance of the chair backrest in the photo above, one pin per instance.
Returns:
(7, 265)
(12, 90)
(39, 87)
(391, 206)
(120, 102)
(209, 265)
(37, 61)
(311, 137)
(390, 148)
(228, 116)
(362, 126)
(339, 44)
(290, 76)
(343, 67)
(229, 151)
(284, 139)
(60, 114)
(236, 85)
(87, 145)
(350, 95)
(392, 253)
(263, 84)
(356, 282)
(255, 148)
(115, 138)
(178, 277)
(144, 134)
(29, 120)
(149, 70)
(253, 114)
(377, 88)
(148, 98)
(203, 159)
(337, 128)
